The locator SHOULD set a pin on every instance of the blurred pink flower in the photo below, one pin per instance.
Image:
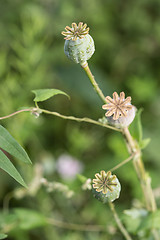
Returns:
(68, 167)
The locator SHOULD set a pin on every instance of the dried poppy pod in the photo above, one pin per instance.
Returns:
(106, 187)
(79, 45)
(120, 112)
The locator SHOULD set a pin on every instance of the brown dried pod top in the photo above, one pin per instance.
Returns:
(77, 31)
(118, 106)
(104, 182)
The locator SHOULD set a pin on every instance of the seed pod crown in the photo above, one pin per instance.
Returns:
(106, 187)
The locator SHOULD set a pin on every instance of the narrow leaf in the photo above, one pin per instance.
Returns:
(136, 127)
(8, 167)
(144, 143)
(10, 145)
(81, 178)
(44, 94)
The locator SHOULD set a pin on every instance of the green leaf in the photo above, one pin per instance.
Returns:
(29, 219)
(10, 145)
(137, 132)
(144, 143)
(8, 167)
(7, 219)
(151, 221)
(133, 219)
(44, 94)
(3, 236)
(81, 178)
(136, 127)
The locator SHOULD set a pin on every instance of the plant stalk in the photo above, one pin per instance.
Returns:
(17, 112)
(119, 223)
(93, 82)
(133, 149)
(39, 110)
(143, 176)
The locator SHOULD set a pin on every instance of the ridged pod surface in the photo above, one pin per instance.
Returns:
(109, 196)
(123, 122)
(81, 50)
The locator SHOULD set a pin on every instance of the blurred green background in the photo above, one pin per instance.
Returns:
(127, 58)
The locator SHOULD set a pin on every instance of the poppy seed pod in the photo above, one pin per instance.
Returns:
(106, 187)
(123, 122)
(120, 112)
(79, 45)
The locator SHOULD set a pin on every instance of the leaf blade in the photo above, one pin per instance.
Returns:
(144, 143)
(44, 94)
(136, 127)
(8, 167)
(29, 219)
(151, 221)
(3, 236)
(10, 145)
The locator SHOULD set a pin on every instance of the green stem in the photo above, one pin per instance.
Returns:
(76, 227)
(122, 163)
(92, 80)
(17, 112)
(119, 223)
(39, 110)
(88, 120)
(138, 163)
(144, 178)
